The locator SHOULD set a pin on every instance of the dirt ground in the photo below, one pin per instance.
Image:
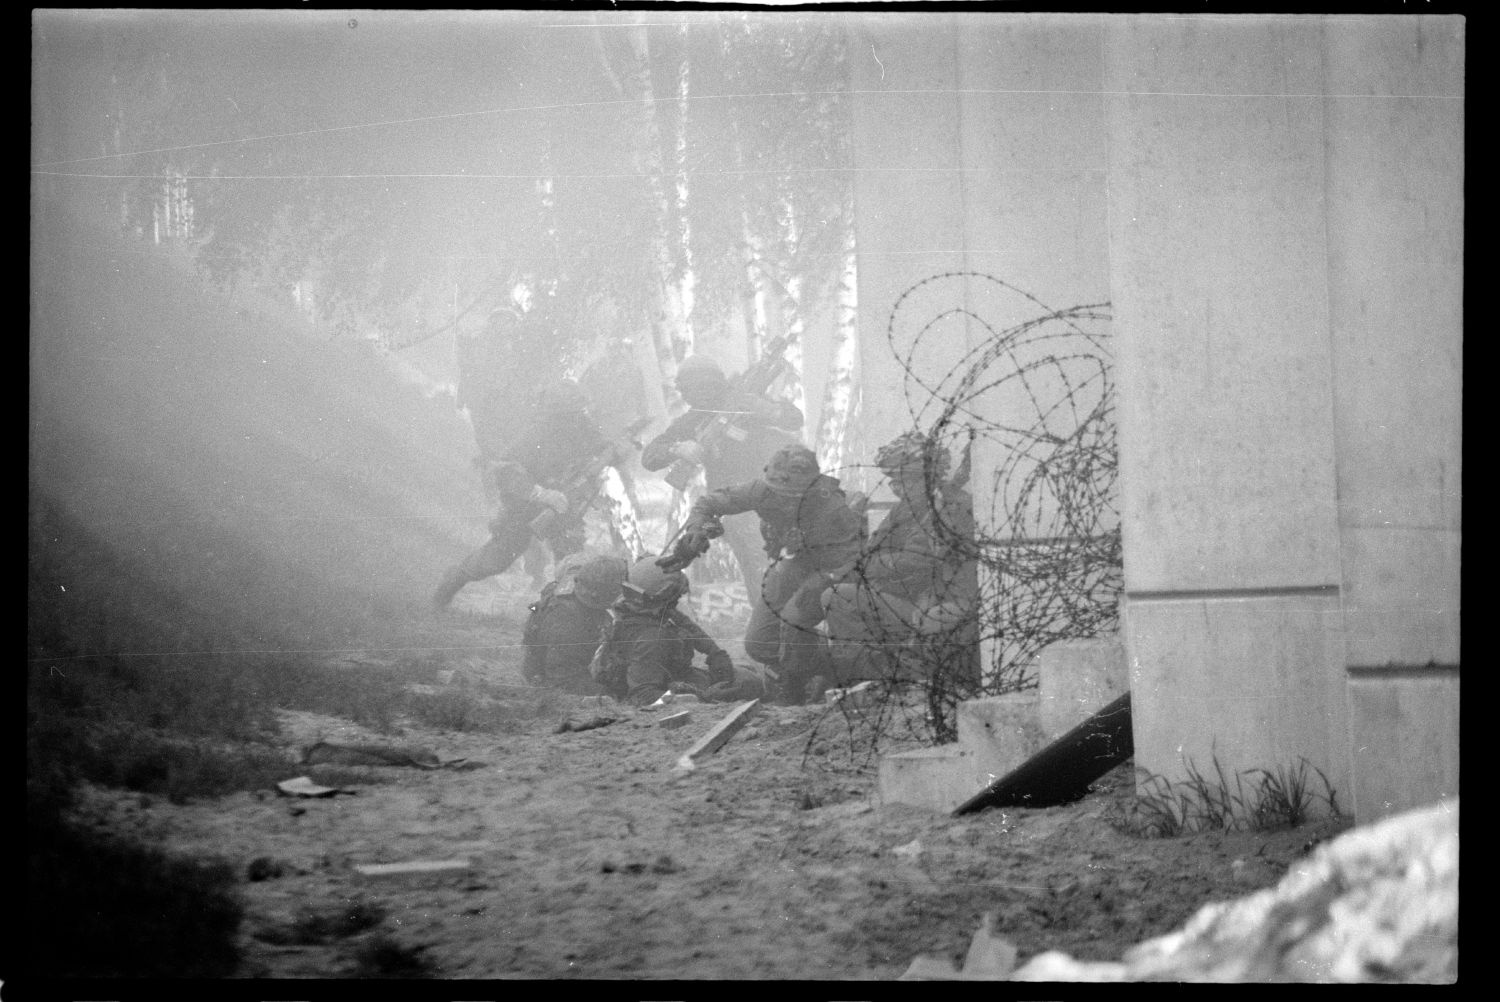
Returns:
(591, 856)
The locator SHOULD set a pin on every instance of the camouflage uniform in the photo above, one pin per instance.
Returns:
(915, 583)
(532, 480)
(812, 537)
(651, 646)
(757, 428)
(568, 622)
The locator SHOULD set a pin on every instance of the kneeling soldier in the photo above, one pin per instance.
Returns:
(651, 646)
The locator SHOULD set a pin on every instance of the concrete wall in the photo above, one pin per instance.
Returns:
(1274, 207)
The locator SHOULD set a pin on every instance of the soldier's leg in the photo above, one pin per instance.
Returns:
(804, 650)
(868, 630)
(492, 558)
(949, 634)
(763, 634)
(745, 543)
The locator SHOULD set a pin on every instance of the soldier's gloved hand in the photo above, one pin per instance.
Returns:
(720, 668)
(556, 500)
(689, 450)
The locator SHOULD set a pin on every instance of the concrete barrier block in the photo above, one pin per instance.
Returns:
(1079, 678)
(1000, 733)
(938, 779)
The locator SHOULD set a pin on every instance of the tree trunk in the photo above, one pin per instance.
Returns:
(841, 388)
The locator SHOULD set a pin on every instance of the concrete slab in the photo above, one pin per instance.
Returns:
(999, 733)
(1078, 678)
(938, 779)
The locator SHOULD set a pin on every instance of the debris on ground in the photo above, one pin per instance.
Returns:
(584, 725)
(415, 868)
(676, 720)
(328, 753)
(990, 958)
(719, 735)
(303, 786)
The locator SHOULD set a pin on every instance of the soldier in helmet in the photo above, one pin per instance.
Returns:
(812, 537)
(569, 620)
(752, 428)
(544, 482)
(651, 645)
(916, 578)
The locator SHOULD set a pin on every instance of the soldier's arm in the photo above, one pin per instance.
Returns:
(726, 501)
(698, 638)
(657, 454)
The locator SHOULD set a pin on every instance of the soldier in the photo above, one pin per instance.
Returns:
(569, 621)
(916, 580)
(494, 366)
(545, 482)
(812, 537)
(729, 432)
(651, 645)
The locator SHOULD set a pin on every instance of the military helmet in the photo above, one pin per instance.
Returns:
(914, 453)
(792, 467)
(700, 380)
(597, 579)
(564, 397)
(650, 584)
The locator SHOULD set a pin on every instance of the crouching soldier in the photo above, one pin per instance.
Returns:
(569, 621)
(914, 588)
(813, 538)
(651, 646)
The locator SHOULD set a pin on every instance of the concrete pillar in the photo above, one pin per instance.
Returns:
(1395, 150)
(1227, 439)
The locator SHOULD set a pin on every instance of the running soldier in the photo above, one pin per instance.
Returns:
(729, 432)
(546, 481)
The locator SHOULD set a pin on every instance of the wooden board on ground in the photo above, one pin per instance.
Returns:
(721, 732)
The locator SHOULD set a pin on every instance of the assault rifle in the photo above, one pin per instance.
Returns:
(755, 380)
(582, 486)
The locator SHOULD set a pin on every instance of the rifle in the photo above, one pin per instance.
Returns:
(583, 485)
(755, 380)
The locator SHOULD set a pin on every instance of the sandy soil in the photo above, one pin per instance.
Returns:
(592, 856)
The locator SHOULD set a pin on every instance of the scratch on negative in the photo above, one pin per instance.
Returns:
(877, 60)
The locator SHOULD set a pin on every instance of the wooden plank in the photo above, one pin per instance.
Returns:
(721, 733)
(416, 868)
